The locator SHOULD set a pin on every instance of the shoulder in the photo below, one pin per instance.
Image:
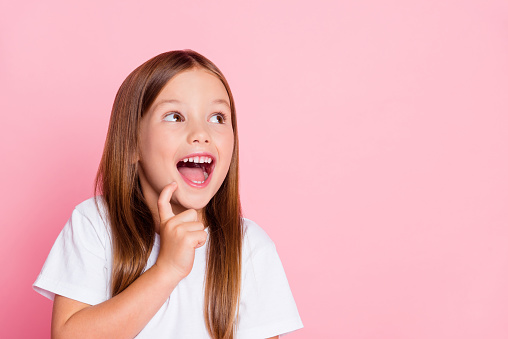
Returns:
(255, 238)
(267, 306)
(92, 208)
(91, 217)
(254, 233)
(79, 263)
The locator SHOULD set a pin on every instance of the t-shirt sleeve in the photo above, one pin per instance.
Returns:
(76, 266)
(267, 307)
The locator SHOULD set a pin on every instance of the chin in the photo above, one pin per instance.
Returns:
(196, 204)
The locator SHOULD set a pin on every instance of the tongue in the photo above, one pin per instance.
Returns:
(192, 173)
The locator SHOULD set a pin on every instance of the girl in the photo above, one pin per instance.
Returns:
(163, 251)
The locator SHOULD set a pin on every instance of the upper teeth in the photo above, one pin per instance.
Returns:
(198, 159)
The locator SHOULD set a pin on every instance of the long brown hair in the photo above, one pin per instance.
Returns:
(132, 224)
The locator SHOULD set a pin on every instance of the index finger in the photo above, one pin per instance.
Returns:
(165, 210)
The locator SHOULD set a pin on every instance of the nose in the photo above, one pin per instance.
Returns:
(199, 134)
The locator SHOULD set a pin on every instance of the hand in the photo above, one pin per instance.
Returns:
(180, 235)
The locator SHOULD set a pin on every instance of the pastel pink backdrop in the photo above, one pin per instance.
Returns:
(373, 139)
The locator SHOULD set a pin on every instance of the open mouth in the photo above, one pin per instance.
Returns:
(196, 169)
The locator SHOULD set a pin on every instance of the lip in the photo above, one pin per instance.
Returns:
(198, 154)
(212, 167)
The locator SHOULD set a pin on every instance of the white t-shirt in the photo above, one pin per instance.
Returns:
(80, 262)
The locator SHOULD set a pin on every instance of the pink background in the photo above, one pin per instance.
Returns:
(373, 138)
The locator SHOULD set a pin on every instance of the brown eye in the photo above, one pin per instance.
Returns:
(218, 118)
(173, 117)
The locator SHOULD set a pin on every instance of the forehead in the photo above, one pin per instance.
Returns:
(196, 84)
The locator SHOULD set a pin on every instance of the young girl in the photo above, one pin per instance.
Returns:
(163, 251)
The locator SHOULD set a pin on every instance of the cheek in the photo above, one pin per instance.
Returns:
(226, 144)
(157, 147)
(157, 164)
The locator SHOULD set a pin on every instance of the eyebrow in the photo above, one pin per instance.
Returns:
(174, 101)
(220, 101)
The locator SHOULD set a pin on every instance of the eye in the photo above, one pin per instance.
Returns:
(218, 118)
(173, 117)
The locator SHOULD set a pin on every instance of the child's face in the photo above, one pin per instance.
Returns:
(186, 120)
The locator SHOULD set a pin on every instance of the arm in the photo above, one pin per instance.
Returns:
(127, 313)
(122, 316)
